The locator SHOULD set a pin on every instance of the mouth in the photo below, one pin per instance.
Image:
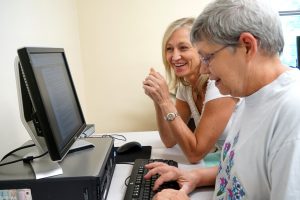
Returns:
(179, 67)
(179, 64)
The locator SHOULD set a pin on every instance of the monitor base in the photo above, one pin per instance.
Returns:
(44, 167)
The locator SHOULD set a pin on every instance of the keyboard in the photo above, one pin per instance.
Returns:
(140, 189)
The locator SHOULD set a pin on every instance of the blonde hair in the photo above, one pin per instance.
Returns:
(173, 80)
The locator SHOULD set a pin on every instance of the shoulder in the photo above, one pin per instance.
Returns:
(212, 92)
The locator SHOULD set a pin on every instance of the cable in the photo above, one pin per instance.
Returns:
(125, 163)
(113, 136)
(17, 149)
(121, 137)
(127, 180)
(25, 160)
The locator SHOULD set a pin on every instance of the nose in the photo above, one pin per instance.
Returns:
(176, 55)
(204, 69)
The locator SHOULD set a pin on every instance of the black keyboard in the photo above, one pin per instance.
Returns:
(138, 188)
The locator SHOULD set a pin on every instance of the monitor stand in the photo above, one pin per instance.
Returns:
(44, 167)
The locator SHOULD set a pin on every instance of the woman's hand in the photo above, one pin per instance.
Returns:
(155, 86)
(187, 180)
(171, 194)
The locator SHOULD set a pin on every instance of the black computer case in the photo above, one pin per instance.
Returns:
(86, 175)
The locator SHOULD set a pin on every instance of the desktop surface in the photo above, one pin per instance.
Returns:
(151, 138)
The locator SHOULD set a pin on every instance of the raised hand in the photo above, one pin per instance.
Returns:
(155, 86)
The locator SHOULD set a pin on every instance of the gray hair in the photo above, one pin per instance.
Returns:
(223, 21)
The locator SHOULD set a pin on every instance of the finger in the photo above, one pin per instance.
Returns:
(168, 175)
(146, 91)
(152, 80)
(158, 75)
(155, 164)
(156, 168)
(155, 74)
(165, 194)
(153, 77)
(152, 70)
(152, 172)
(159, 181)
(150, 83)
(185, 188)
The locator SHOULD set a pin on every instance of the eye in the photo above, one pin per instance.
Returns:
(169, 49)
(184, 48)
(205, 59)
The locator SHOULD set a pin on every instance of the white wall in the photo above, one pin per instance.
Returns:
(120, 41)
(52, 23)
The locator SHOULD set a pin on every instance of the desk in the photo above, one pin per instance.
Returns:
(151, 138)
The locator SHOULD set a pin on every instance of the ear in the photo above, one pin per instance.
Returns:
(249, 42)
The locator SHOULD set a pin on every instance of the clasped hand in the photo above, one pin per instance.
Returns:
(156, 88)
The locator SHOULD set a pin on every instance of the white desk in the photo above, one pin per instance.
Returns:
(117, 189)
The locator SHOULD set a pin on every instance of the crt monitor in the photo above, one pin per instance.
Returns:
(49, 106)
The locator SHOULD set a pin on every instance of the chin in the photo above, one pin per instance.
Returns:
(180, 74)
(222, 90)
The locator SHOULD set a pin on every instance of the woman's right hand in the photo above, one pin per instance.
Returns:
(155, 86)
(187, 180)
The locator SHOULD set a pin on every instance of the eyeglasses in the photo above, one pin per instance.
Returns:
(207, 59)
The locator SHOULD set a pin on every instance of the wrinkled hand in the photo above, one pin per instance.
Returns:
(186, 180)
(171, 194)
(155, 86)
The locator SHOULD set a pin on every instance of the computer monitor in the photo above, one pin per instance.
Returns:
(49, 106)
(298, 51)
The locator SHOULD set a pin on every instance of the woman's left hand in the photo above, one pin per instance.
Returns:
(171, 194)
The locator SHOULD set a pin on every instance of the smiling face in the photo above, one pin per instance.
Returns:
(181, 55)
(228, 68)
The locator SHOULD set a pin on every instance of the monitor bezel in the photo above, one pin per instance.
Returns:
(41, 120)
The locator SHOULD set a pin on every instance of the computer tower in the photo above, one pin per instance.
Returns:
(86, 175)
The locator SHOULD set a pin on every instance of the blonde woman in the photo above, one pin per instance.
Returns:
(197, 97)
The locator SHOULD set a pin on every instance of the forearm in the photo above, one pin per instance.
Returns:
(177, 132)
(206, 176)
(182, 135)
(164, 129)
(215, 116)
(187, 141)
(201, 177)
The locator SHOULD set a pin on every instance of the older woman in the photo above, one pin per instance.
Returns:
(239, 42)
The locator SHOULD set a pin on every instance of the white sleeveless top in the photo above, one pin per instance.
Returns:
(184, 93)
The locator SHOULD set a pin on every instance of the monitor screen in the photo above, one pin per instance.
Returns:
(50, 107)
